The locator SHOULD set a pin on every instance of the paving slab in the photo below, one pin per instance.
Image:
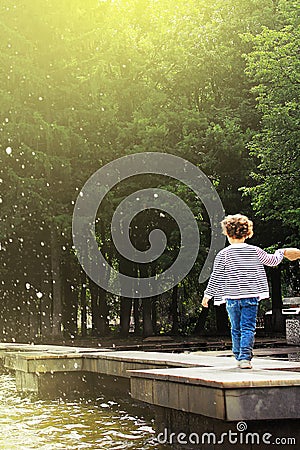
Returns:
(14, 347)
(228, 377)
(53, 359)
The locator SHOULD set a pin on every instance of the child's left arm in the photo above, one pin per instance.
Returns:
(205, 301)
(216, 279)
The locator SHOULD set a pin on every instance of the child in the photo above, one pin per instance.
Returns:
(239, 280)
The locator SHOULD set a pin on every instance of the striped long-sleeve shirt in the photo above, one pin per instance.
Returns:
(239, 272)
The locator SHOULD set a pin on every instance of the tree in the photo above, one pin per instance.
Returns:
(274, 66)
(83, 84)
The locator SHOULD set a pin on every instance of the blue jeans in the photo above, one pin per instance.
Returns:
(242, 314)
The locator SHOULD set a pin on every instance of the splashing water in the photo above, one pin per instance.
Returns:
(103, 423)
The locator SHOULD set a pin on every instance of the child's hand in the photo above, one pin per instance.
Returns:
(292, 253)
(205, 301)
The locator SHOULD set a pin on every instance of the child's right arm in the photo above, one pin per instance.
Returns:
(274, 259)
(268, 259)
(292, 253)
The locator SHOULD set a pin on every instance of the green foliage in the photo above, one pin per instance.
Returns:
(274, 68)
(83, 83)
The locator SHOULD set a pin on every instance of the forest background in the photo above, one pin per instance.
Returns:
(84, 83)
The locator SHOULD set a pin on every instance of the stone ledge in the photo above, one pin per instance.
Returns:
(207, 384)
(226, 400)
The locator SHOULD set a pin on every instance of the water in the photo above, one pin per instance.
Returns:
(28, 423)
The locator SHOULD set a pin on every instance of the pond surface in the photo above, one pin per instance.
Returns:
(102, 423)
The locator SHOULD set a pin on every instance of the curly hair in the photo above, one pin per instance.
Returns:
(237, 226)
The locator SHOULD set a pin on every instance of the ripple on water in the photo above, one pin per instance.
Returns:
(27, 423)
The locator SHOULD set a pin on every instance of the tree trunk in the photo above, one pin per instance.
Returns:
(70, 309)
(99, 310)
(103, 312)
(45, 313)
(125, 314)
(45, 307)
(2, 316)
(34, 319)
(12, 319)
(129, 269)
(95, 307)
(83, 305)
(136, 316)
(147, 317)
(56, 285)
(278, 322)
(154, 314)
(174, 310)
(103, 307)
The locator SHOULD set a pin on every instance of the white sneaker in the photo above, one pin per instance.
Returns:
(245, 364)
